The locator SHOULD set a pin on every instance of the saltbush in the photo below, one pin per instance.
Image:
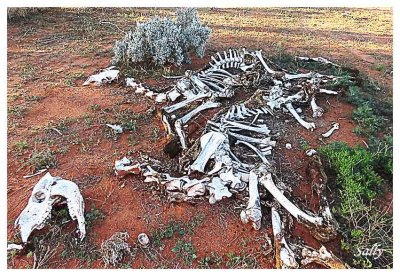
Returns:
(163, 40)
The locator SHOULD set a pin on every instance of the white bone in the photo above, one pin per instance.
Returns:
(217, 190)
(181, 133)
(317, 111)
(309, 126)
(184, 103)
(117, 128)
(260, 129)
(130, 82)
(334, 127)
(328, 91)
(161, 97)
(207, 105)
(124, 166)
(105, 76)
(253, 211)
(288, 146)
(14, 246)
(323, 257)
(46, 192)
(260, 57)
(318, 59)
(285, 257)
(229, 177)
(209, 144)
(311, 152)
(265, 141)
(268, 183)
(173, 94)
(143, 240)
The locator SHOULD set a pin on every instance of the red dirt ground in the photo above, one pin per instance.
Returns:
(45, 44)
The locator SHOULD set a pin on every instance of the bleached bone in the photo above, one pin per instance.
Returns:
(334, 127)
(143, 240)
(260, 57)
(278, 102)
(172, 108)
(284, 256)
(253, 211)
(209, 144)
(161, 97)
(311, 152)
(317, 59)
(259, 141)
(309, 126)
(13, 246)
(173, 94)
(34, 174)
(48, 191)
(330, 92)
(257, 151)
(140, 89)
(268, 183)
(125, 166)
(130, 82)
(105, 76)
(181, 133)
(323, 257)
(233, 180)
(317, 111)
(207, 105)
(260, 128)
(217, 190)
(322, 227)
(117, 128)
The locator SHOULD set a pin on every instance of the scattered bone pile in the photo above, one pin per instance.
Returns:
(234, 149)
(233, 152)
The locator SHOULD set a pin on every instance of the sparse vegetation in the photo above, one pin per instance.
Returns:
(185, 251)
(42, 159)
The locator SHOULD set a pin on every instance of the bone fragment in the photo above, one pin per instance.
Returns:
(173, 95)
(309, 126)
(161, 97)
(143, 240)
(117, 128)
(13, 246)
(334, 127)
(284, 256)
(323, 257)
(172, 108)
(317, 59)
(209, 144)
(37, 173)
(207, 105)
(105, 76)
(317, 111)
(288, 146)
(181, 133)
(321, 90)
(217, 190)
(130, 82)
(125, 166)
(253, 211)
(311, 152)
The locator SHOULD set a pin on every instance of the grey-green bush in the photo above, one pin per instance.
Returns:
(163, 40)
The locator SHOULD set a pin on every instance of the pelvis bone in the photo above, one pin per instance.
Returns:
(47, 192)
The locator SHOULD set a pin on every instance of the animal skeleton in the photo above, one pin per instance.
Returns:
(234, 148)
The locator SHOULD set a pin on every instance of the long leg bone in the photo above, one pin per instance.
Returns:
(322, 228)
(197, 110)
(284, 256)
(253, 211)
(309, 126)
(172, 108)
(334, 127)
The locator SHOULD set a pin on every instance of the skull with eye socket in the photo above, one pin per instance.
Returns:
(46, 193)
